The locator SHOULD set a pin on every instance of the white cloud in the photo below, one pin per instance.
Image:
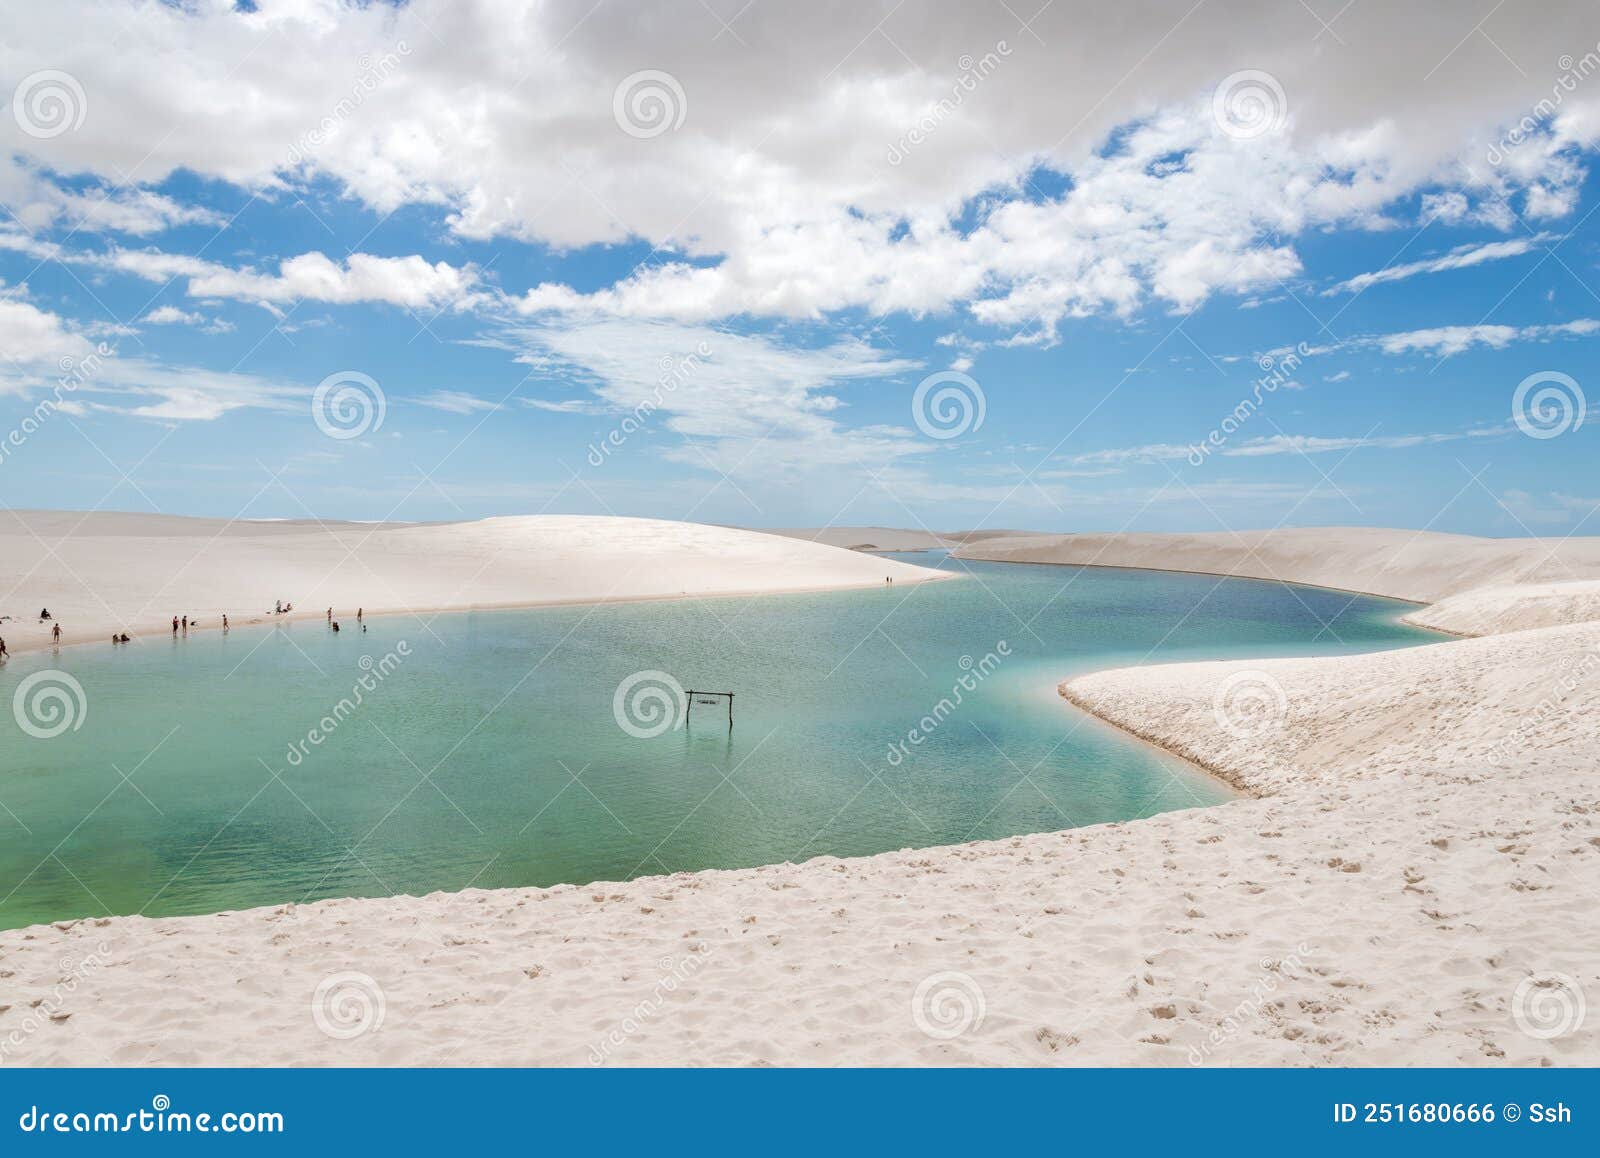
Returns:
(779, 199)
(45, 352)
(411, 282)
(1311, 444)
(1462, 257)
(1279, 444)
(172, 316)
(1551, 509)
(29, 334)
(1450, 340)
(730, 402)
(456, 402)
(36, 202)
(566, 406)
(1150, 452)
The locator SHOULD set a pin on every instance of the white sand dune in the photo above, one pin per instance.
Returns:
(889, 538)
(105, 572)
(1519, 607)
(1421, 566)
(1414, 883)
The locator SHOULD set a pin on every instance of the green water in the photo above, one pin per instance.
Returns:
(490, 755)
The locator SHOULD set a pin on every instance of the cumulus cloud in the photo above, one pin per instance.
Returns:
(29, 334)
(411, 282)
(1064, 184)
(172, 316)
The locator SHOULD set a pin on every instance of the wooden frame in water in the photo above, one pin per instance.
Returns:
(711, 699)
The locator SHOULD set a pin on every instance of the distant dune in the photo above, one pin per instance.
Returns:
(103, 572)
(889, 538)
(1421, 566)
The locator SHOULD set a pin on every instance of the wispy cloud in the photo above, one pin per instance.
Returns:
(734, 401)
(1448, 340)
(455, 402)
(1462, 257)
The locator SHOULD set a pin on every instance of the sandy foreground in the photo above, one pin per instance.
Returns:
(1413, 882)
(104, 572)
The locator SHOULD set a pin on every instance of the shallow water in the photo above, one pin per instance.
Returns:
(486, 751)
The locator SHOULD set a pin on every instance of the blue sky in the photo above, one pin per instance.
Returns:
(514, 265)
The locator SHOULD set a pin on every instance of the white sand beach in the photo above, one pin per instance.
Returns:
(103, 572)
(1410, 880)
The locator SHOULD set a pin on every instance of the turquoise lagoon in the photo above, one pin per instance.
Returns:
(216, 772)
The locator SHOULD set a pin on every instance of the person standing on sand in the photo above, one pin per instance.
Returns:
(330, 615)
(359, 612)
(174, 625)
(55, 634)
(224, 621)
(186, 623)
